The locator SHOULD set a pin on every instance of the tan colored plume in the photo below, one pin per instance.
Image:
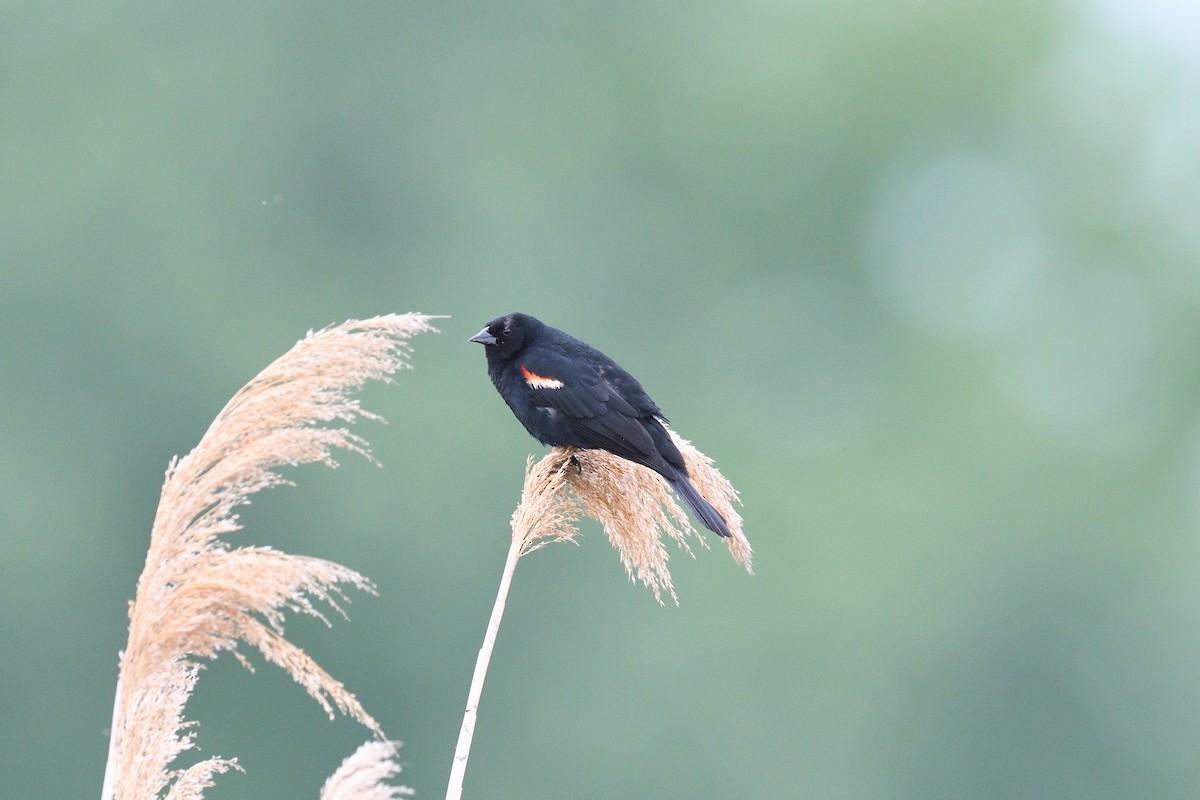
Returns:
(635, 506)
(364, 775)
(198, 595)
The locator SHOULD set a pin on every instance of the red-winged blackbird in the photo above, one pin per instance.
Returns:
(567, 393)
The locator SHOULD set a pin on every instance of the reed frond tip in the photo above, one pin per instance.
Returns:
(718, 491)
(365, 773)
(633, 504)
(198, 595)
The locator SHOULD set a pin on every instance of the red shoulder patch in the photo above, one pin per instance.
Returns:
(536, 381)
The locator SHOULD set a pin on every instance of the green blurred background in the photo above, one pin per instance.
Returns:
(922, 277)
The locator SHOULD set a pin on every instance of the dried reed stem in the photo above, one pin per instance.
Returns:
(636, 509)
(543, 515)
(198, 596)
(466, 734)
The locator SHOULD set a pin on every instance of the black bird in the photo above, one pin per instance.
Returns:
(568, 394)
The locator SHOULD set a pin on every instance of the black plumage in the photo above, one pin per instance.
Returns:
(567, 393)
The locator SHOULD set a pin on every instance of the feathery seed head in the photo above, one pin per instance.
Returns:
(198, 596)
(633, 504)
(364, 775)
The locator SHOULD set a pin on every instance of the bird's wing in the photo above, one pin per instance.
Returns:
(554, 381)
(590, 395)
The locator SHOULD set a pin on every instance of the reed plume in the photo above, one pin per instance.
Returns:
(364, 775)
(198, 596)
(637, 511)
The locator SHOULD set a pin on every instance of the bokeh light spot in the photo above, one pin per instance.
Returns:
(1153, 24)
(953, 244)
(1082, 358)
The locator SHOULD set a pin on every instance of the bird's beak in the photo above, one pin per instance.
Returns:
(483, 337)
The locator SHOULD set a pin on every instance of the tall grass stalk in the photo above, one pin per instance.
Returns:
(637, 511)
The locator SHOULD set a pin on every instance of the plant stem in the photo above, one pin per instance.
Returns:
(110, 765)
(462, 751)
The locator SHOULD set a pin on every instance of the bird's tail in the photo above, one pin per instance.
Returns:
(703, 510)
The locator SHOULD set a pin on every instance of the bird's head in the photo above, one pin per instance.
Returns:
(506, 336)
